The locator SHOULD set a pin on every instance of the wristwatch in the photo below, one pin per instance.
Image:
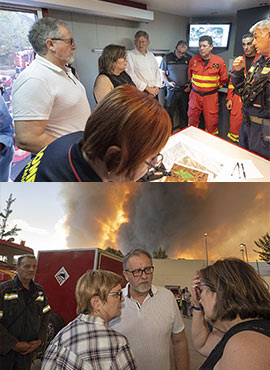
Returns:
(196, 308)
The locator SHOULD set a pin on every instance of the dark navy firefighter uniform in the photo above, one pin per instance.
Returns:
(24, 317)
(254, 90)
(176, 70)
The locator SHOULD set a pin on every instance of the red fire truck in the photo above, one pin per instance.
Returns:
(22, 59)
(9, 253)
(58, 272)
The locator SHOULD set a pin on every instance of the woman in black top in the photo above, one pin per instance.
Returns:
(112, 65)
(235, 300)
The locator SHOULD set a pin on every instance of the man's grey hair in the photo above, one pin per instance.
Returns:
(20, 259)
(262, 25)
(135, 252)
(43, 29)
(141, 34)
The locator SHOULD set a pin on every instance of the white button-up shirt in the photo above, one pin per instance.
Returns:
(143, 69)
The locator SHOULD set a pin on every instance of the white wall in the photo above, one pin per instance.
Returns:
(91, 32)
(175, 272)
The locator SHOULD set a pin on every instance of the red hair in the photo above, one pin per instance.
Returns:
(132, 120)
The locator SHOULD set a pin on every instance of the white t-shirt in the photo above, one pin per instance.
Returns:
(44, 91)
(149, 326)
(143, 69)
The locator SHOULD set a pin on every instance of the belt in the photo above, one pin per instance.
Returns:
(205, 93)
(259, 120)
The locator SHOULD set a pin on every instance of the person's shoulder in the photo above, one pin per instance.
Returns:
(248, 349)
(7, 285)
(68, 139)
(119, 337)
(162, 290)
(39, 287)
(132, 52)
(102, 77)
(217, 58)
(195, 57)
(170, 55)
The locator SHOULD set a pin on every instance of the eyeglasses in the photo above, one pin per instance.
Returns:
(138, 272)
(120, 294)
(67, 41)
(198, 290)
(155, 162)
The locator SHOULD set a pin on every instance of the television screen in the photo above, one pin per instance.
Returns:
(220, 34)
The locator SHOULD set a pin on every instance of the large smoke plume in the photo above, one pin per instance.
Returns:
(173, 217)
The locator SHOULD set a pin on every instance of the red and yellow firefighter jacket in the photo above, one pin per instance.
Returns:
(207, 78)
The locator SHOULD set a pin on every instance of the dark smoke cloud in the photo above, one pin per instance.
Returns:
(173, 217)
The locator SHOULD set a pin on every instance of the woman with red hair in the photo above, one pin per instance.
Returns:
(122, 140)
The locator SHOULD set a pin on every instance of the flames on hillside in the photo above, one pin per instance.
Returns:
(173, 217)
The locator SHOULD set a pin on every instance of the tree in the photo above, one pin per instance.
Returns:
(160, 254)
(264, 244)
(114, 251)
(4, 233)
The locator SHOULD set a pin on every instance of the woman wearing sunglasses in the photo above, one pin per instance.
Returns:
(235, 300)
(88, 342)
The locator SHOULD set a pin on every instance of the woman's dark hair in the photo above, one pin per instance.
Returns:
(109, 56)
(239, 290)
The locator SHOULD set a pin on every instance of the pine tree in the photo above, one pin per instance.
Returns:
(160, 254)
(264, 244)
(4, 233)
(114, 251)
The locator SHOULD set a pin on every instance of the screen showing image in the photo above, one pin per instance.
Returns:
(219, 33)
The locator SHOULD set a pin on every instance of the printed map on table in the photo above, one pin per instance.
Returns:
(182, 173)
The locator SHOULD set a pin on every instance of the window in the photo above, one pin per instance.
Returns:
(16, 52)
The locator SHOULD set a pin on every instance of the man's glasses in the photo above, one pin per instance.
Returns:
(198, 290)
(67, 41)
(138, 272)
(120, 294)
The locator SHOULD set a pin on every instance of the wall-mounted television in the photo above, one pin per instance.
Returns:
(220, 33)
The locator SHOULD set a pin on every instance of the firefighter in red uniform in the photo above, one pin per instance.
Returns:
(208, 73)
(234, 102)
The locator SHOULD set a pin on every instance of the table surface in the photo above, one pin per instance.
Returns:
(209, 143)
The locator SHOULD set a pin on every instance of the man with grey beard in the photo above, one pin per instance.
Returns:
(48, 100)
(150, 317)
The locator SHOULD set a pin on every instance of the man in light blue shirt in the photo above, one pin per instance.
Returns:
(6, 141)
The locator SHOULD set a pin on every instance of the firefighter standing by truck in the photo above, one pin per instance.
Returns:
(254, 90)
(234, 102)
(23, 316)
(208, 73)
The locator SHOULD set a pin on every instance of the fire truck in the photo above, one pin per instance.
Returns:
(58, 272)
(9, 253)
(22, 59)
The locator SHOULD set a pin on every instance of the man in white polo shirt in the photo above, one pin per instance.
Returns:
(142, 65)
(150, 317)
(48, 100)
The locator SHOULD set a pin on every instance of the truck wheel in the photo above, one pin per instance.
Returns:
(55, 324)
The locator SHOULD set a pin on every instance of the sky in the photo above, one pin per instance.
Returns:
(173, 217)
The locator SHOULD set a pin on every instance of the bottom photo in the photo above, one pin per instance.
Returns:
(147, 276)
